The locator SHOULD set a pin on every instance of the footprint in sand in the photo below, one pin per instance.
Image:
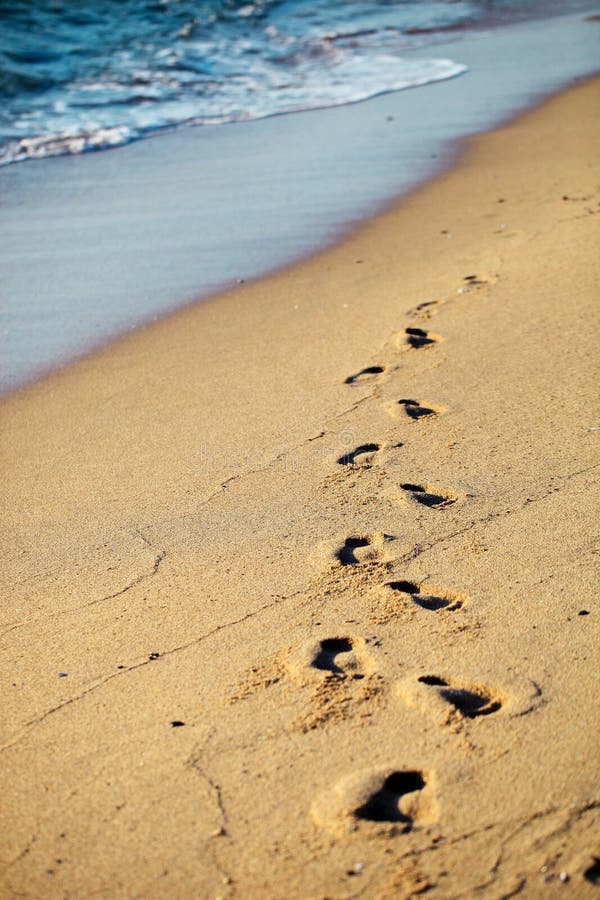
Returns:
(430, 599)
(389, 802)
(343, 677)
(428, 495)
(341, 657)
(470, 700)
(335, 658)
(385, 804)
(425, 309)
(362, 456)
(360, 549)
(370, 373)
(418, 338)
(416, 410)
(452, 701)
(472, 282)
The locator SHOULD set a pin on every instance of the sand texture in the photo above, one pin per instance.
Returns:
(299, 582)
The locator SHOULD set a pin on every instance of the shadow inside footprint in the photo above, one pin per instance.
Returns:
(361, 456)
(346, 554)
(474, 280)
(471, 701)
(418, 337)
(430, 602)
(592, 873)
(365, 374)
(428, 496)
(426, 304)
(383, 805)
(416, 410)
(329, 650)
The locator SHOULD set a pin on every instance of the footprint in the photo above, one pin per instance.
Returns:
(471, 282)
(453, 701)
(347, 554)
(474, 281)
(429, 496)
(390, 801)
(361, 550)
(384, 805)
(340, 656)
(362, 456)
(418, 337)
(358, 549)
(345, 683)
(431, 600)
(368, 374)
(414, 409)
(470, 701)
(424, 309)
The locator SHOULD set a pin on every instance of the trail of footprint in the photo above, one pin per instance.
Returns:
(389, 801)
(415, 409)
(418, 338)
(431, 600)
(413, 336)
(370, 373)
(362, 456)
(428, 495)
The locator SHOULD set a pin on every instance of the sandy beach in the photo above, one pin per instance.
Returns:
(299, 581)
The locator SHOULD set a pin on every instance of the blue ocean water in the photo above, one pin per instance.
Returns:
(78, 75)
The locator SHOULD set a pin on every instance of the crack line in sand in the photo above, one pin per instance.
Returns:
(283, 454)
(421, 549)
(193, 762)
(373, 395)
(63, 612)
(13, 627)
(141, 535)
(24, 852)
(146, 662)
(573, 814)
(438, 844)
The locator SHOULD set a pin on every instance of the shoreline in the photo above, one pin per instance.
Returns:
(92, 246)
(352, 561)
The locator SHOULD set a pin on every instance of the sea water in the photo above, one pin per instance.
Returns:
(79, 75)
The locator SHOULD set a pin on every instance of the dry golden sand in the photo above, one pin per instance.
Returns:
(367, 612)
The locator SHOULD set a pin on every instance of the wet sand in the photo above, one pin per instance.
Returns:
(299, 581)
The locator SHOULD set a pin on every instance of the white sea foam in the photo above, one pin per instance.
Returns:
(88, 121)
